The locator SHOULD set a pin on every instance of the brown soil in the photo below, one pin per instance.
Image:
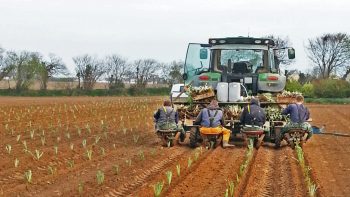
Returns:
(274, 173)
(124, 134)
(329, 156)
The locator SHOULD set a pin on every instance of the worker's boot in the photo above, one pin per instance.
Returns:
(225, 144)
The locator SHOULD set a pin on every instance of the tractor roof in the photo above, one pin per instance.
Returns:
(241, 40)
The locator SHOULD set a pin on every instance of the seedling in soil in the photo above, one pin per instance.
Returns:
(226, 193)
(128, 161)
(28, 176)
(58, 139)
(79, 131)
(189, 162)
(55, 148)
(43, 141)
(169, 176)
(124, 131)
(32, 134)
(51, 170)
(312, 190)
(70, 163)
(102, 151)
(8, 148)
(114, 146)
(89, 154)
(105, 134)
(100, 177)
(71, 146)
(136, 138)
(16, 163)
(97, 138)
(178, 169)
(84, 143)
(230, 188)
(68, 135)
(116, 169)
(141, 155)
(80, 188)
(88, 128)
(38, 154)
(18, 138)
(25, 146)
(158, 187)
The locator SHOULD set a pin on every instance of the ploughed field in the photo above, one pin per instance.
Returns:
(106, 146)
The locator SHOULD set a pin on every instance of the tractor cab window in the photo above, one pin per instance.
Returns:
(197, 60)
(240, 60)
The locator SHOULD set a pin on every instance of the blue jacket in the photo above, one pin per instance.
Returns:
(253, 114)
(298, 113)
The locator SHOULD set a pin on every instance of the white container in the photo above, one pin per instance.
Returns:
(234, 91)
(222, 92)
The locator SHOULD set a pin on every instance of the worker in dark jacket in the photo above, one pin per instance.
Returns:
(211, 120)
(167, 118)
(253, 114)
(299, 115)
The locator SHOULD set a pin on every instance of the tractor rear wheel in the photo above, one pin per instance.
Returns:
(193, 138)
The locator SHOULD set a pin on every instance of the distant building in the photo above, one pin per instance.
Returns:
(293, 75)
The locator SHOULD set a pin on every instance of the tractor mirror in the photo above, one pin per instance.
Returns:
(203, 54)
(291, 53)
(184, 76)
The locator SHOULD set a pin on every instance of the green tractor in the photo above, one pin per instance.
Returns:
(250, 62)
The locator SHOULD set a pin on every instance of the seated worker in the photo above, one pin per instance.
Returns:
(299, 114)
(167, 118)
(253, 114)
(211, 120)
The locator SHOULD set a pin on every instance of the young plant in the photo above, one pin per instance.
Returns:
(196, 156)
(124, 131)
(25, 146)
(70, 163)
(157, 188)
(79, 131)
(230, 188)
(38, 154)
(55, 148)
(189, 162)
(68, 135)
(18, 138)
(102, 151)
(141, 155)
(8, 148)
(136, 138)
(116, 169)
(51, 170)
(89, 154)
(28, 176)
(80, 188)
(84, 143)
(71, 146)
(128, 161)
(169, 175)
(100, 177)
(32, 132)
(43, 141)
(178, 169)
(97, 138)
(16, 163)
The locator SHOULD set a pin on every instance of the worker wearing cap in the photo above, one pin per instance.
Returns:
(299, 115)
(253, 114)
(211, 120)
(167, 118)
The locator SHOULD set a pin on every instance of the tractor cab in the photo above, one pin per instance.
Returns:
(248, 61)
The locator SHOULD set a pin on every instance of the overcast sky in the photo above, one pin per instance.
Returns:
(160, 29)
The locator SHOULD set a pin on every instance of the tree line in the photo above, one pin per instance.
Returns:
(25, 67)
(329, 55)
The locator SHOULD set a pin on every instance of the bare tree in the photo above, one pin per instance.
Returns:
(281, 56)
(144, 69)
(50, 68)
(329, 52)
(89, 69)
(173, 72)
(117, 68)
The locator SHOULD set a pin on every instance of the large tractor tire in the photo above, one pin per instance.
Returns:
(194, 137)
